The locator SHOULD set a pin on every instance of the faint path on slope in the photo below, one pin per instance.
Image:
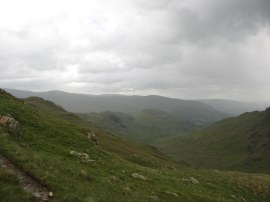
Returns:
(28, 183)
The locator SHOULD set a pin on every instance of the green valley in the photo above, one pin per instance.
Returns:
(116, 170)
(240, 143)
(146, 126)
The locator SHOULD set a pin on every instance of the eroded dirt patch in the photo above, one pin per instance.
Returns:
(27, 182)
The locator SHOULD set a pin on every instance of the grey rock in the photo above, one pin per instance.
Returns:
(12, 126)
(173, 194)
(138, 176)
(84, 157)
(92, 136)
(193, 180)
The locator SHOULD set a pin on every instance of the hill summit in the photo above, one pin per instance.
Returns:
(193, 111)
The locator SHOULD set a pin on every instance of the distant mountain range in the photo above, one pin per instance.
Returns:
(235, 108)
(195, 112)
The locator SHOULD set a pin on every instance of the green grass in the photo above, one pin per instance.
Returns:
(10, 190)
(241, 143)
(43, 152)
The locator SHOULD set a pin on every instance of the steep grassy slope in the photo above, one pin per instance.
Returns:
(43, 152)
(108, 142)
(146, 126)
(241, 143)
(193, 111)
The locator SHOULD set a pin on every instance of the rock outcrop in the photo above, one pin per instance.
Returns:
(10, 124)
(92, 136)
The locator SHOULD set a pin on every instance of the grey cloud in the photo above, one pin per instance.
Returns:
(102, 78)
(184, 48)
(231, 20)
(217, 20)
(153, 5)
(31, 84)
(23, 49)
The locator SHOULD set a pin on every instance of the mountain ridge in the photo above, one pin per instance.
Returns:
(190, 110)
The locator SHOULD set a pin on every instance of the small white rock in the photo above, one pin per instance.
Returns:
(138, 176)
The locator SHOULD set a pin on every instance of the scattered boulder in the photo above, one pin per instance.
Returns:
(138, 176)
(83, 156)
(10, 124)
(72, 152)
(92, 136)
(37, 195)
(173, 194)
(50, 194)
(192, 180)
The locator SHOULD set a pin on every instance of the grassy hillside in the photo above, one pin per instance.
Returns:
(146, 126)
(10, 190)
(192, 111)
(51, 108)
(241, 143)
(43, 152)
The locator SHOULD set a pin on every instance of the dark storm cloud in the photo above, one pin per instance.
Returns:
(215, 20)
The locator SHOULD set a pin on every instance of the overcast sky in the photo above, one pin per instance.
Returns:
(187, 49)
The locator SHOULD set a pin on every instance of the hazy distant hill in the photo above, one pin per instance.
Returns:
(146, 126)
(241, 143)
(235, 107)
(193, 111)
